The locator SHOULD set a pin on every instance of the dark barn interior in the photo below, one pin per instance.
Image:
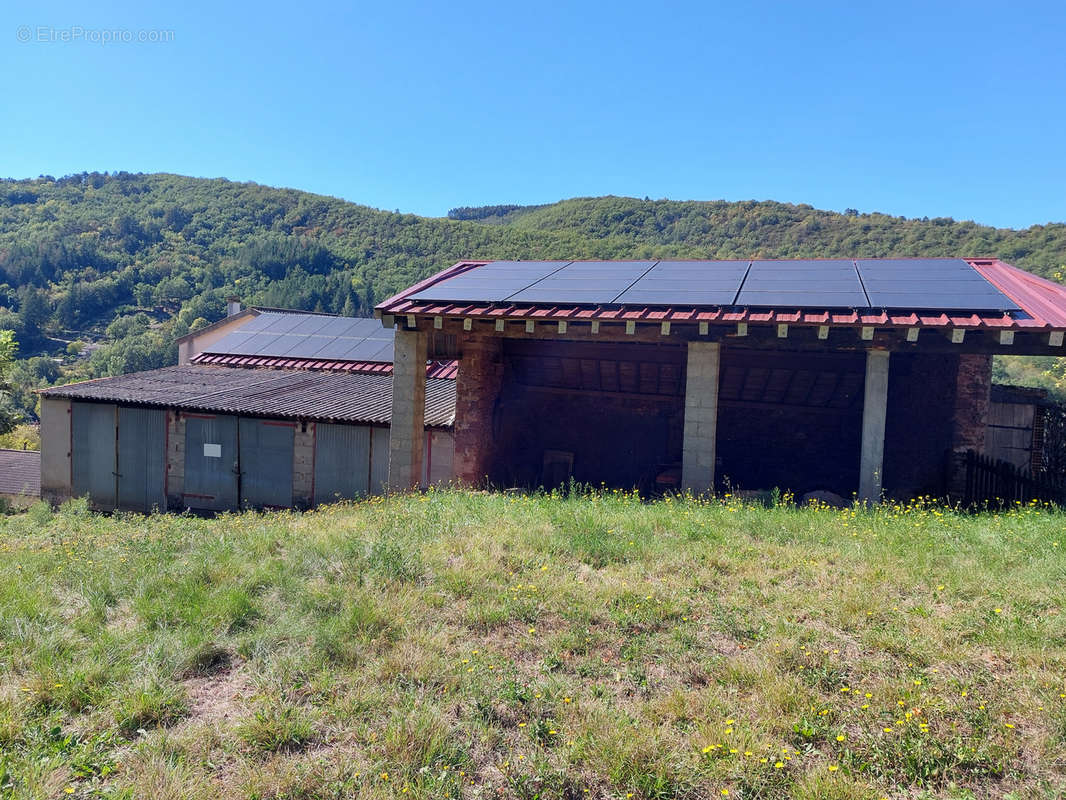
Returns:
(602, 413)
(613, 414)
(789, 420)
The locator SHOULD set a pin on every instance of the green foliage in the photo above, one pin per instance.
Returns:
(21, 437)
(8, 413)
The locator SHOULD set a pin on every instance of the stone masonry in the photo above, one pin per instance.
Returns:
(175, 481)
(303, 465)
(477, 388)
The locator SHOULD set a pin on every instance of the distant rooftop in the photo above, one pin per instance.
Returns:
(20, 472)
(295, 340)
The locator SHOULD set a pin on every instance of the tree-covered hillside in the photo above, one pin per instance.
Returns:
(100, 273)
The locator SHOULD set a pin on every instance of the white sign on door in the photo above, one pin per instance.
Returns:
(212, 450)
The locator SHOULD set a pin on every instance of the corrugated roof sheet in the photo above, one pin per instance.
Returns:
(294, 394)
(434, 369)
(20, 472)
(1042, 304)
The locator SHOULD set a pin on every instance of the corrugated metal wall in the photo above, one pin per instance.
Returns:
(266, 463)
(119, 459)
(93, 453)
(141, 473)
(379, 460)
(342, 462)
(211, 462)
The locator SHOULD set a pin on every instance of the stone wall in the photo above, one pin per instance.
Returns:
(175, 460)
(973, 388)
(477, 390)
(303, 465)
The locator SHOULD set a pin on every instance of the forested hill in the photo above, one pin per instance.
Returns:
(130, 261)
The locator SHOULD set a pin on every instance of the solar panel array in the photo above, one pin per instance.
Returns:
(315, 336)
(919, 284)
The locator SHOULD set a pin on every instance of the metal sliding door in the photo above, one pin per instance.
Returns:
(141, 472)
(93, 453)
(342, 462)
(211, 468)
(266, 463)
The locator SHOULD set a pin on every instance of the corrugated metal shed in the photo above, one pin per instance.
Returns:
(290, 394)
(20, 472)
(1042, 304)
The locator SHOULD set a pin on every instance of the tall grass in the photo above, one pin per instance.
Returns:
(457, 644)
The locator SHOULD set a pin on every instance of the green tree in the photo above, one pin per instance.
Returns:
(8, 415)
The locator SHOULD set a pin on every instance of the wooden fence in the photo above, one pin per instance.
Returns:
(993, 483)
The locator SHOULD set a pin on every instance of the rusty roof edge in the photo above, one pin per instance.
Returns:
(455, 269)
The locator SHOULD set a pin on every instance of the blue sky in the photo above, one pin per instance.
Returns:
(920, 109)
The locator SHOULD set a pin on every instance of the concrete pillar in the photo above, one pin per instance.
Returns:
(874, 411)
(55, 449)
(476, 390)
(408, 425)
(701, 416)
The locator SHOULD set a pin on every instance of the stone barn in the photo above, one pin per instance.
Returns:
(864, 377)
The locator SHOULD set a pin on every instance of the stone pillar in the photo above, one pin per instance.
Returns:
(408, 424)
(973, 401)
(874, 412)
(701, 416)
(973, 389)
(175, 461)
(476, 390)
(55, 449)
(303, 465)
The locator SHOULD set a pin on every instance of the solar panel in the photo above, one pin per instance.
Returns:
(309, 336)
(918, 284)
(275, 323)
(591, 282)
(828, 283)
(491, 282)
(688, 283)
(946, 284)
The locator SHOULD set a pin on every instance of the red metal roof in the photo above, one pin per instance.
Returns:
(1042, 301)
(446, 370)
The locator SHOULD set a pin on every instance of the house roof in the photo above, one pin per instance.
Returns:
(295, 340)
(250, 311)
(285, 393)
(1032, 303)
(20, 472)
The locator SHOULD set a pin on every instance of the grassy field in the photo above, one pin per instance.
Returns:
(474, 645)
